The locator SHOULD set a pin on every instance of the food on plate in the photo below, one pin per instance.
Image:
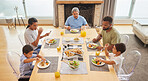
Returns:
(75, 50)
(74, 64)
(96, 61)
(76, 39)
(92, 45)
(44, 63)
(52, 41)
(74, 30)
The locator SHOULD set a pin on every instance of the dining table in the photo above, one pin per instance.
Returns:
(91, 75)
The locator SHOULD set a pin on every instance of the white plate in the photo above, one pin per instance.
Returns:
(47, 41)
(72, 56)
(39, 66)
(91, 47)
(67, 39)
(102, 63)
(76, 30)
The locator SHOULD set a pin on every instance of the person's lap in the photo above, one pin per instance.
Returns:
(37, 50)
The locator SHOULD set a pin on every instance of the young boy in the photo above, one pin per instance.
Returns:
(26, 60)
(116, 56)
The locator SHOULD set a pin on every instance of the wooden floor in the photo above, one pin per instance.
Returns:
(9, 42)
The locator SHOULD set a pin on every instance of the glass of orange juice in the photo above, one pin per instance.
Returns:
(62, 33)
(59, 48)
(97, 53)
(83, 33)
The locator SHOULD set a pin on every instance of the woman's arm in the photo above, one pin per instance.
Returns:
(35, 43)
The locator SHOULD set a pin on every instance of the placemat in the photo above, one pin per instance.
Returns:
(53, 66)
(65, 69)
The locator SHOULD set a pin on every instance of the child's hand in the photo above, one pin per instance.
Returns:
(100, 60)
(43, 59)
(34, 59)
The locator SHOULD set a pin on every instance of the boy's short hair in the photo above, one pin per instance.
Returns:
(120, 47)
(27, 49)
(108, 18)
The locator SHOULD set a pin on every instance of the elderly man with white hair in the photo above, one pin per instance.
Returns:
(75, 21)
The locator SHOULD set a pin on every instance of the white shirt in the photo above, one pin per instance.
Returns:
(118, 61)
(30, 36)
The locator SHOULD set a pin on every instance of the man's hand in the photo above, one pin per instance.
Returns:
(99, 48)
(40, 30)
(83, 28)
(67, 27)
(95, 40)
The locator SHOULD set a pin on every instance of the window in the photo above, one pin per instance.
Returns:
(39, 8)
(122, 8)
(7, 8)
(140, 9)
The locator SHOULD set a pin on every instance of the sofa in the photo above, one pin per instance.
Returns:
(140, 29)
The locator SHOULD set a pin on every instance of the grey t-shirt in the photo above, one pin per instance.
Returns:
(26, 68)
(30, 36)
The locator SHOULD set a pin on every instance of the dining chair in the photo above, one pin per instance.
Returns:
(13, 59)
(129, 63)
(125, 39)
(21, 39)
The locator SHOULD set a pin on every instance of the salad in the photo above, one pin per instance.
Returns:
(95, 61)
(45, 64)
(74, 30)
(52, 41)
(74, 64)
(92, 45)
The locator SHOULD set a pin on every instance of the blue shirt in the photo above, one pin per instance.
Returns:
(26, 68)
(75, 23)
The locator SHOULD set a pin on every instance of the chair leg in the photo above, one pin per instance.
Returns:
(8, 26)
(23, 21)
(15, 22)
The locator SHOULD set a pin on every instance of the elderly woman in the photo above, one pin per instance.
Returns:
(75, 21)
